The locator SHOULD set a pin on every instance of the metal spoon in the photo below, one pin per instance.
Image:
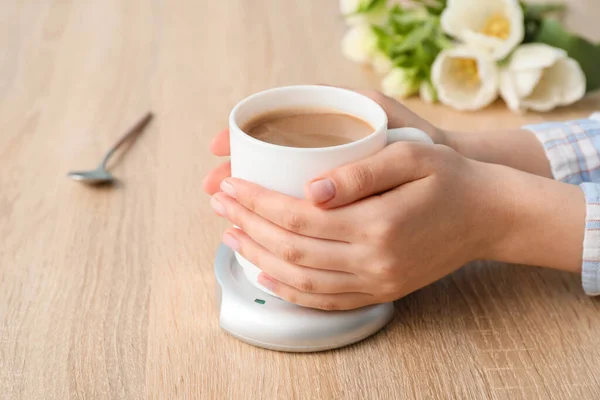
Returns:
(100, 174)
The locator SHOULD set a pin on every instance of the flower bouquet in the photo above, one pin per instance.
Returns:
(467, 53)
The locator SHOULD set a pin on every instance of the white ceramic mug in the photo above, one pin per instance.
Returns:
(288, 169)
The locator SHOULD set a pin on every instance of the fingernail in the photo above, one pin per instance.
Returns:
(218, 207)
(227, 187)
(231, 242)
(322, 190)
(266, 281)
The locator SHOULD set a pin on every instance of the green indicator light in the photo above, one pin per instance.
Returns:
(259, 301)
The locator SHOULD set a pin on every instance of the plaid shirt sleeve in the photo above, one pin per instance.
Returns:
(573, 150)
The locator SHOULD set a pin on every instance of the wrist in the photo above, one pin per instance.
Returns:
(473, 145)
(492, 210)
(452, 140)
(534, 220)
(516, 148)
(476, 146)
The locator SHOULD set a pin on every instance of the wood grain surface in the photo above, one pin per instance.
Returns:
(109, 293)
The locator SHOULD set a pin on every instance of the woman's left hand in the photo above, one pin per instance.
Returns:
(370, 232)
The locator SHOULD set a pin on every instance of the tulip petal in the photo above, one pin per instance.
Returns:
(525, 81)
(349, 9)
(465, 19)
(508, 91)
(535, 56)
(462, 16)
(427, 93)
(453, 91)
(562, 84)
(359, 43)
(546, 95)
(541, 78)
(400, 83)
(349, 6)
(381, 63)
(572, 79)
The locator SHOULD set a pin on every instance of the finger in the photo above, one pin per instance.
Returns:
(290, 213)
(393, 166)
(220, 144)
(211, 182)
(287, 246)
(307, 280)
(328, 302)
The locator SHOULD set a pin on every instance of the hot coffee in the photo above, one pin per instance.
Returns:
(308, 128)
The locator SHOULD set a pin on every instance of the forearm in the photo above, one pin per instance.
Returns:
(516, 148)
(539, 221)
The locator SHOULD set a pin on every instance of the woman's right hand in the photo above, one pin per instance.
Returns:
(398, 117)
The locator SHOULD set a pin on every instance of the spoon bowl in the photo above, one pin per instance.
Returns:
(94, 177)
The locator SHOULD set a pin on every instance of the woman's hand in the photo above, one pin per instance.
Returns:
(425, 211)
(398, 117)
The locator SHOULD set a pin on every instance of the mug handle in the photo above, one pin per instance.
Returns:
(407, 135)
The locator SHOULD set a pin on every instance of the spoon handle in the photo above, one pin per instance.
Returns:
(133, 130)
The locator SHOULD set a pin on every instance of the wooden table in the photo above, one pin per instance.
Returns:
(108, 293)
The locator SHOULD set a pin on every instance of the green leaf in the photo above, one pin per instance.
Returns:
(432, 3)
(402, 61)
(415, 38)
(380, 32)
(538, 11)
(420, 56)
(434, 7)
(442, 41)
(396, 9)
(384, 39)
(584, 52)
(369, 6)
(410, 18)
(534, 15)
(532, 28)
(412, 37)
(404, 21)
(435, 10)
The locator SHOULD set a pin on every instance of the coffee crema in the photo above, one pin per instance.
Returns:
(307, 128)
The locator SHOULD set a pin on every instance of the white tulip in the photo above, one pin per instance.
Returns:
(496, 26)
(359, 44)
(381, 63)
(427, 92)
(376, 16)
(540, 77)
(400, 83)
(465, 79)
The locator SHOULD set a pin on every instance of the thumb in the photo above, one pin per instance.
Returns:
(393, 166)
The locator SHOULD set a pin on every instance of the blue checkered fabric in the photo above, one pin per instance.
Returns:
(573, 150)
